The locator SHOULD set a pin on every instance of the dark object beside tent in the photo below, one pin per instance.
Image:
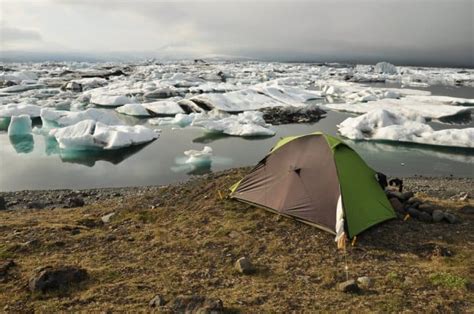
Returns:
(318, 179)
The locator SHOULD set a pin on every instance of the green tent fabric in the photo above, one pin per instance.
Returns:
(318, 179)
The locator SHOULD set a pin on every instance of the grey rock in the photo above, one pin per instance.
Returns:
(396, 204)
(425, 217)
(414, 212)
(349, 286)
(396, 194)
(427, 208)
(438, 215)
(244, 266)
(5, 267)
(157, 301)
(365, 282)
(75, 202)
(36, 205)
(452, 219)
(407, 195)
(3, 203)
(196, 304)
(56, 278)
(465, 210)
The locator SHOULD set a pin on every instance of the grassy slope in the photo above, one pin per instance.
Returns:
(187, 245)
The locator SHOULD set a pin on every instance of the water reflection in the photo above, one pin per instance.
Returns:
(209, 137)
(23, 144)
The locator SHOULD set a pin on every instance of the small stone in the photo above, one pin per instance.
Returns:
(438, 215)
(348, 286)
(35, 205)
(425, 217)
(464, 196)
(467, 210)
(106, 219)
(413, 212)
(392, 194)
(452, 219)
(396, 204)
(56, 278)
(407, 195)
(244, 266)
(413, 200)
(157, 301)
(196, 304)
(425, 207)
(75, 202)
(365, 282)
(3, 203)
(5, 267)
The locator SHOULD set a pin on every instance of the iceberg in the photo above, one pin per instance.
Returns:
(10, 110)
(110, 100)
(164, 107)
(19, 125)
(405, 106)
(385, 67)
(199, 157)
(55, 118)
(137, 110)
(180, 119)
(92, 135)
(383, 124)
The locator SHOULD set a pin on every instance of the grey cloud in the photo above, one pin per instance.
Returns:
(13, 34)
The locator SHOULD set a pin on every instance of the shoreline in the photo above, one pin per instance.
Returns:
(439, 187)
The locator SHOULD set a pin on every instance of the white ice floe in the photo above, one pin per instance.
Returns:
(164, 107)
(19, 109)
(21, 88)
(110, 100)
(385, 67)
(137, 110)
(20, 125)
(405, 106)
(246, 124)
(55, 118)
(89, 134)
(384, 124)
(90, 82)
(442, 100)
(19, 76)
(199, 157)
(180, 119)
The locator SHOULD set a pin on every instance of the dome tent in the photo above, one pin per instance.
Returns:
(318, 179)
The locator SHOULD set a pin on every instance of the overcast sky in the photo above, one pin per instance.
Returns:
(401, 31)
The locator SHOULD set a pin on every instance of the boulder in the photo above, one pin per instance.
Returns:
(365, 282)
(51, 278)
(106, 218)
(427, 208)
(75, 202)
(464, 210)
(36, 205)
(3, 203)
(425, 217)
(244, 266)
(414, 212)
(407, 195)
(396, 204)
(349, 286)
(196, 304)
(5, 267)
(438, 215)
(452, 219)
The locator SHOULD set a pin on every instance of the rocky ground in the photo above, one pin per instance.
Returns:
(180, 247)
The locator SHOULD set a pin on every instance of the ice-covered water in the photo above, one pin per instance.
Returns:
(96, 124)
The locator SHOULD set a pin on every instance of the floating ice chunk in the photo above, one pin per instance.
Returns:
(406, 106)
(236, 101)
(164, 107)
(382, 124)
(89, 134)
(180, 119)
(199, 157)
(54, 118)
(247, 124)
(19, 76)
(137, 110)
(90, 82)
(20, 125)
(119, 136)
(446, 100)
(20, 88)
(110, 100)
(385, 67)
(19, 109)
(286, 94)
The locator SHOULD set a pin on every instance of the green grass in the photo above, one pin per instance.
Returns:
(448, 280)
